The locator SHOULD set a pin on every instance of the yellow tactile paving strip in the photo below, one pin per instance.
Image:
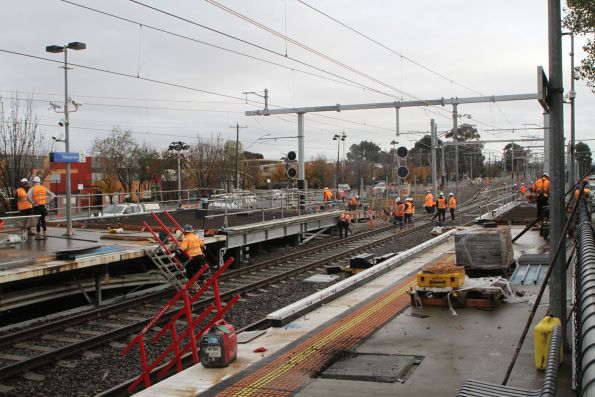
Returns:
(287, 373)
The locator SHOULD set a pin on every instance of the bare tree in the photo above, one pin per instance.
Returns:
(116, 158)
(205, 162)
(23, 149)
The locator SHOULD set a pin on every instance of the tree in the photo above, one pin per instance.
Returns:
(150, 166)
(362, 155)
(580, 19)
(23, 149)
(206, 162)
(584, 158)
(515, 152)
(116, 158)
(470, 156)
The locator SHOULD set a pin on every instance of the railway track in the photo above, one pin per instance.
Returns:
(54, 342)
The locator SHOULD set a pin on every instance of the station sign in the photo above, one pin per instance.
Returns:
(65, 157)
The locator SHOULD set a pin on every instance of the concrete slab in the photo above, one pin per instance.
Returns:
(370, 367)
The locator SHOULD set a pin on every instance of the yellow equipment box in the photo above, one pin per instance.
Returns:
(442, 273)
(445, 280)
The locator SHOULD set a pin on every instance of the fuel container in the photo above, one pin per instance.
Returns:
(219, 345)
(542, 336)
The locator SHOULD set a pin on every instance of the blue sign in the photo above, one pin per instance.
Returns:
(64, 157)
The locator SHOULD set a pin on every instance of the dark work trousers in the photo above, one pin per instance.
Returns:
(343, 229)
(42, 211)
(429, 210)
(194, 265)
(541, 202)
(441, 214)
(398, 221)
(452, 214)
(409, 219)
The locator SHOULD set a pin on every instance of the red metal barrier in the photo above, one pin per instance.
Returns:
(172, 355)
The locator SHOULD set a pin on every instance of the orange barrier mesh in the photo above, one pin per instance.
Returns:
(293, 369)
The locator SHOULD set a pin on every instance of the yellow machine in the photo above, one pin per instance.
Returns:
(542, 336)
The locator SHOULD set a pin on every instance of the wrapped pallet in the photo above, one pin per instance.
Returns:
(481, 248)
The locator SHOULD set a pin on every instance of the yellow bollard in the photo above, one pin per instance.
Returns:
(542, 336)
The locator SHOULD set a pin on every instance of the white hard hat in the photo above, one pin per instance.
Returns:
(398, 199)
(451, 194)
(24, 180)
(545, 174)
(36, 179)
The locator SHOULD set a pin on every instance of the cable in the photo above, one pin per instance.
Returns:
(127, 75)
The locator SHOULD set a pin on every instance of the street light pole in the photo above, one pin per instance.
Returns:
(338, 138)
(179, 147)
(571, 96)
(57, 49)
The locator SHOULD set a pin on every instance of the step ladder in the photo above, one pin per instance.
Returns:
(162, 256)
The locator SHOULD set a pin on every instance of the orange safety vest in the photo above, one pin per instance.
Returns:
(345, 217)
(409, 207)
(523, 189)
(441, 203)
(191, 245)
(400, 209)
(429, 202)
(353, 201)
(452, 203)
(39, 196)
(543, 186)
(327, 195)
(22, 202)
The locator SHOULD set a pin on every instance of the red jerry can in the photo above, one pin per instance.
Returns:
(219, 345)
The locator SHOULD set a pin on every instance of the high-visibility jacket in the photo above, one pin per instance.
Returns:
(353, 201)
(22, 202)
(399, 209)
(39, 195)
(586, 193)
(543, 186)
(409, 208)
(441, 203)
(523, 189)
(452, 203)
(191, 245)
(327, 195)
(429, 200)
(345, 217)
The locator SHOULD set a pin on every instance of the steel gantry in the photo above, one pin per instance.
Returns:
(301, 111)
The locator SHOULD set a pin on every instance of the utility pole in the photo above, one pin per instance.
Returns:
(434, 133)
(455, 117)
(442, 167)
(511, 162)
(556, 153)
(571, 96)
(237, 127)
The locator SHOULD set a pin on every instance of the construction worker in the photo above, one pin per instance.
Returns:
(452, 205)
(542, 189)
(532, 186)
(352, 203)
(429, 202)
(586, 191)
(441, 205)
(523, 190)
(193, 248)
(343, 224)
(40, 197)
(327, 194)
(409, 211)
(399, 212)
(23, 204)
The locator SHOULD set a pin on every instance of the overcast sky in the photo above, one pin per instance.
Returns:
(470, 47)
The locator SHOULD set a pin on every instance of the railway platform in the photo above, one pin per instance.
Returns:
(371, 341)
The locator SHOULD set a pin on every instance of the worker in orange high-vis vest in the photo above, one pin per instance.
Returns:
(399, 212)
(542, 190)
(343, 224)
(24, 206)
(441, 205)
(193, 248)
(452, 205)
(409, 211)
(40, 197)
(327, 194)
(429, 202)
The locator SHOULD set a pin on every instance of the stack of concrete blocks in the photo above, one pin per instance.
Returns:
(488, 249)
